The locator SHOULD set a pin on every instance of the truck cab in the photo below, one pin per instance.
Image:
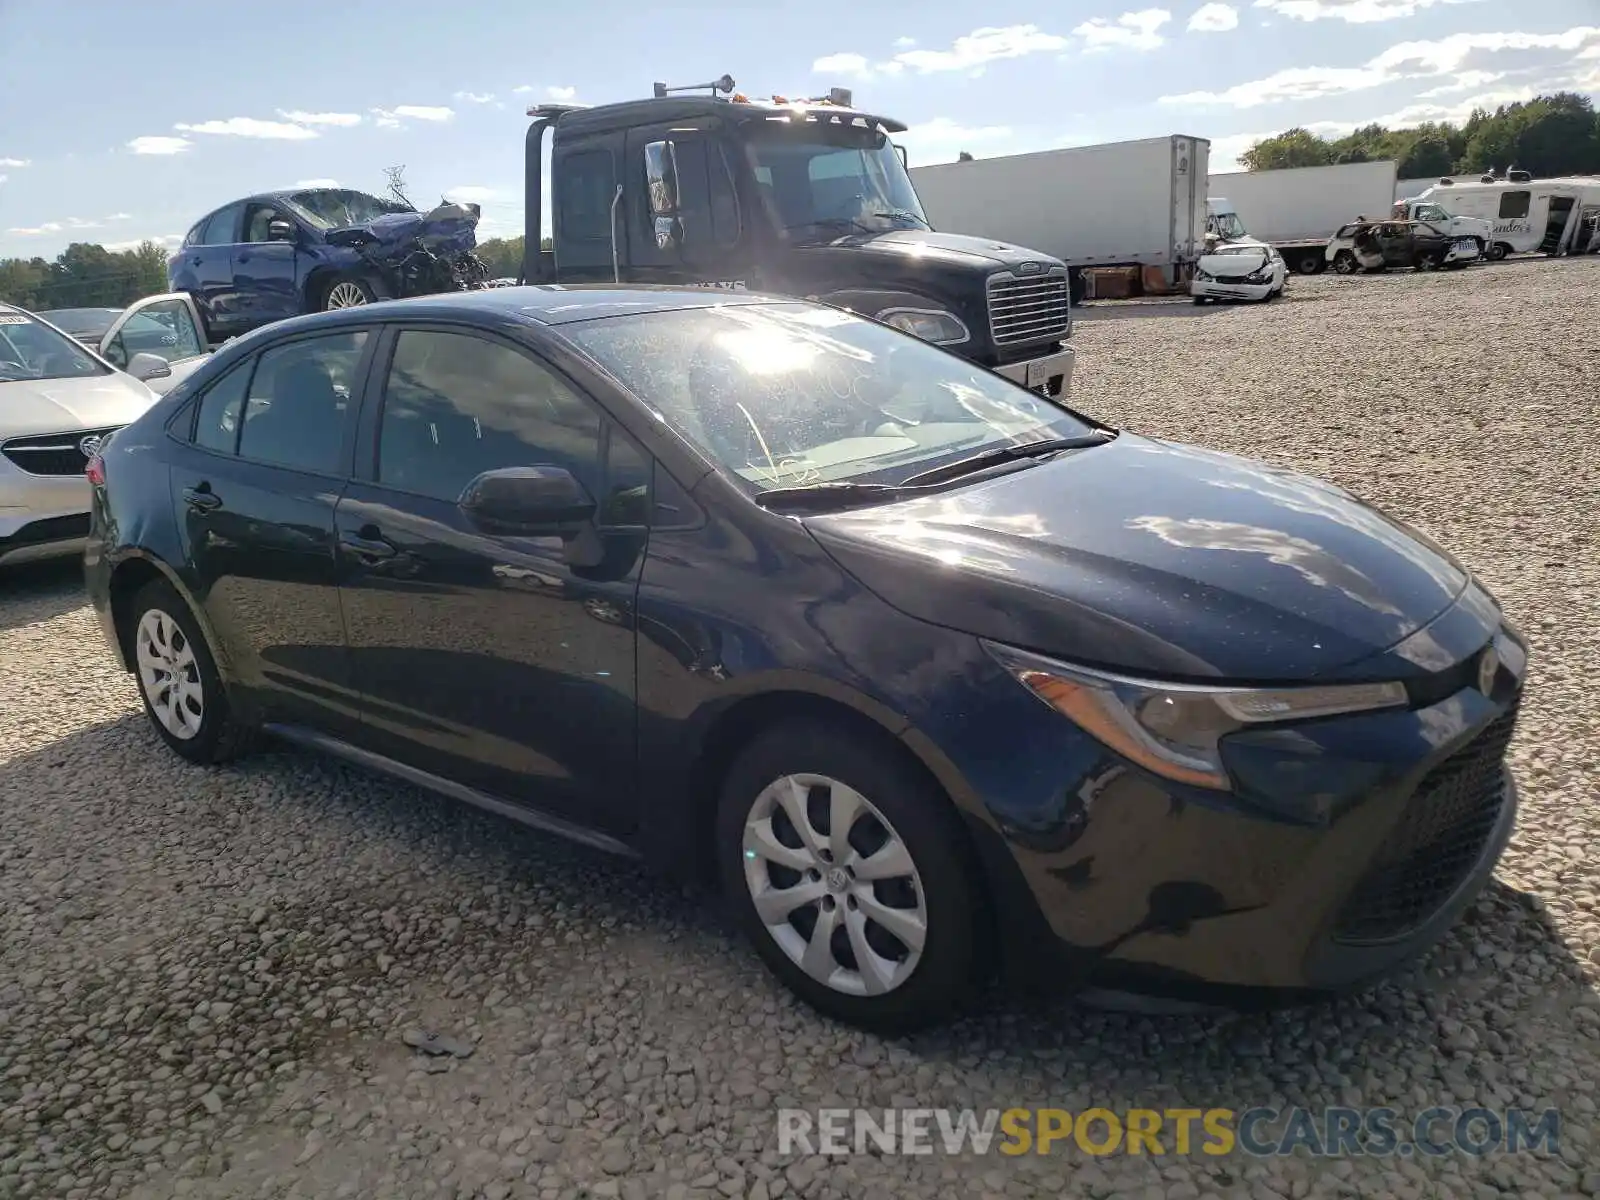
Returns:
(808, 198)
(1434, 214)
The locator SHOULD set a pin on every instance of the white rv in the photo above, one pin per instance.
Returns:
(1551, 216)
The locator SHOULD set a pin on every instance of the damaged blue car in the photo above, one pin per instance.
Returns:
(281, 254)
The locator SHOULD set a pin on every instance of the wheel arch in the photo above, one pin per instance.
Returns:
(131, 574)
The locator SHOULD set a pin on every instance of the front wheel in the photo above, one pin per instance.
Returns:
(1498, 251)
(183, 694)
(847, 872)
(1345, 263)
(348, 291)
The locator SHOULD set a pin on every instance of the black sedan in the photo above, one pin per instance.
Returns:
(934, 674)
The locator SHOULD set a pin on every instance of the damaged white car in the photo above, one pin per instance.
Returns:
(1239, 271)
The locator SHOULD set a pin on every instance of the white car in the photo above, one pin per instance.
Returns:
(58, 400)
(1239, 271)
(165, 327)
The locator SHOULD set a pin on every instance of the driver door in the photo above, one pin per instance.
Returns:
(1395, 239)
(168, 326)
(263, 269)
(713, 245)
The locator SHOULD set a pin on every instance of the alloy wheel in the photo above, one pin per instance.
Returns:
(346, 295)
(835, 885)
(169, 673)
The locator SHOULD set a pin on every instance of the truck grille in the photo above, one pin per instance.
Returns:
(1025, 309)
(52, 453)
(1445, 826)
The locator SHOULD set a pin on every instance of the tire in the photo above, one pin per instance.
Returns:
(1199, 301)
(350, 291)
(1310, 263)
(1345, 263)
(1498, 251)
(167, 643)
(760, 851)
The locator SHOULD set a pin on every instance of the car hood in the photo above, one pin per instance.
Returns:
(63, 405)
(1237, 265)
(950, 248)
(1156, 559)
(447, 229)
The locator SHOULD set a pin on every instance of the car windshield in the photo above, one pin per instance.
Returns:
(331, 208)
(1228, 225)
(824, 179)
(786, 395)
(30, 349)
(90, 324)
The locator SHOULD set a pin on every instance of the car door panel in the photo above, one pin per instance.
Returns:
(167, 325)
(491, 660)
(211, 264)
(265, 272)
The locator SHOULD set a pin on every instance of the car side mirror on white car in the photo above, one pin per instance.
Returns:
(149, 366)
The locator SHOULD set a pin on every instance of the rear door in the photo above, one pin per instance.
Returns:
(167, 326)
(271, 446)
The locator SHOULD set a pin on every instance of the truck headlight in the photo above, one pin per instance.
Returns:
(1173, 729)
(935, 325)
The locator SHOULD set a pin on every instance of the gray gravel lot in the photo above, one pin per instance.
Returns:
(206, 976)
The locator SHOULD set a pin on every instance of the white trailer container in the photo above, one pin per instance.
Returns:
(1298, 209)
(1138, 203)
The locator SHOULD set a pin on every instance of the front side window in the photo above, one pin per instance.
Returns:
(295, 414)
(1431, 212)
(31, 350)
(223, 227)
(783, 395)
(708, 206)
(826, 179)
(456, 405)
(1515, 204)
(588, 185)
(165, 328)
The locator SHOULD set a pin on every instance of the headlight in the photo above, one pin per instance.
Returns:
(1173, 729)
(1204, 276)
(934, 325)
(1264, 275)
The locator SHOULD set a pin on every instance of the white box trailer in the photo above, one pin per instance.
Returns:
(1138, 203)
(1298, 209)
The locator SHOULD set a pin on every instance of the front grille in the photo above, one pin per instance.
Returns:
(1434, 846)
(1029, 308)
(51, 453)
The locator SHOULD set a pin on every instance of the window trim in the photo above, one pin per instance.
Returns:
(369, 432)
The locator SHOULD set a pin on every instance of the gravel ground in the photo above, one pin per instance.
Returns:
(206, 978)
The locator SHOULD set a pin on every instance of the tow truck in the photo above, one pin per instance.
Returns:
(807, 198)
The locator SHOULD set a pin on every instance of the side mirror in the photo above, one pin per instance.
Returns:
(148, 366)
(528, 501)
(279, 230)
(661, 173)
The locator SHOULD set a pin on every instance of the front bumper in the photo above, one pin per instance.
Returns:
(1130, 885)
(1218, 289)
(1051, 374)
(1463, 251)
(41, 516)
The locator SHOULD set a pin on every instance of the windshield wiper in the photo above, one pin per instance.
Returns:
(831, 223)
(1004, 454)
(901, 215)
(827, 495)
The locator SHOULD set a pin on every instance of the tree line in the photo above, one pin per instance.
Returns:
(1558, 134)
(84, 275)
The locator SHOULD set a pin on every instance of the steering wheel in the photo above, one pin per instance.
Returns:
(14, 367)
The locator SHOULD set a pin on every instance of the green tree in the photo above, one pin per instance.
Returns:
(1292, 148)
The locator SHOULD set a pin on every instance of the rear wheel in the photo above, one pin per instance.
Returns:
(847, 872)
(1310, 263)
(183, 694)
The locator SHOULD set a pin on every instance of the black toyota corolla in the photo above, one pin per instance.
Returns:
(936, 675)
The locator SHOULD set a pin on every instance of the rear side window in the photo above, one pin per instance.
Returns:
(299, 396)
(217, 427)
(456, 405)
(1515, 204)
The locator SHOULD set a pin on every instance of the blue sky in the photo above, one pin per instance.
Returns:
(125, 121)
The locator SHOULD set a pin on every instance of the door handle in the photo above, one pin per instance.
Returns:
(201, 498)
(368, 545)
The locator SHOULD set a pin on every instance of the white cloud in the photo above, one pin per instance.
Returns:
(120, 217)
(526, 89)
(971, 52)
(1458, 112)
(1214, 18)
(471, 194)
(251, 127)
(1406, 60)
(474, 97)
(15, 162)
(1355, 12)
(1466, 81)
(36, 230)
(391, 118)
(341, 119)
(943, 140)
(904, 43)
(562, 94)
(159, 145)
(1227, 150)
(160, 239)
(1130, 31)
(3, 178)
(316, 183)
